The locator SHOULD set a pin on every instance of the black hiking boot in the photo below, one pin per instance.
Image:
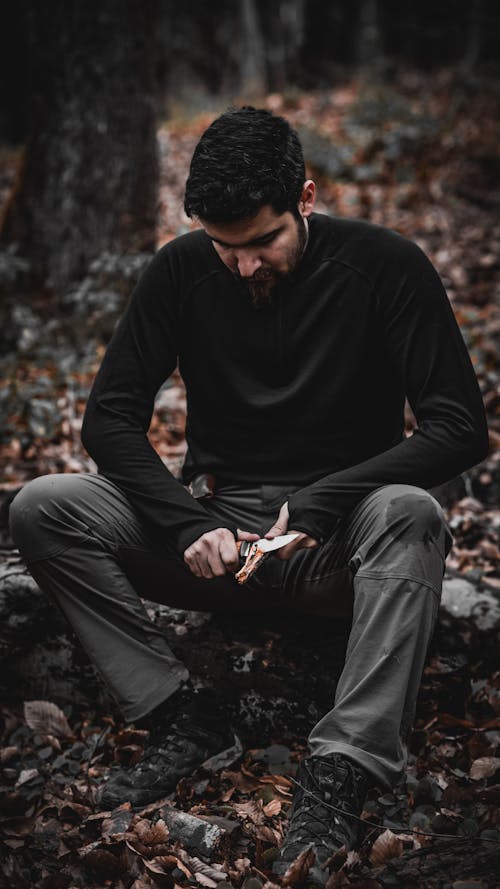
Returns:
(324, 781)
(175, 750)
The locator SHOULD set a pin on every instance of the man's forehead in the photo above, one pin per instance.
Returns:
(242, 232)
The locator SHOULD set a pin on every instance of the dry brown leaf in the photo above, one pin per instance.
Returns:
(159, 869)
(53, 742)
(118, 822)
(7, 753)
(272, 808)
(19, 826)
(385, 847)
(46, 718)
(484, 767)
(131, 736)
(279, 782)
(268, 834)
(240, 867)
(215, 873)
(148, 839)
(299, 869)
(252, 810)
(180, 863)
(70, 811)
(205, 881)
(26, 775)
(352, 858)
(205, 874)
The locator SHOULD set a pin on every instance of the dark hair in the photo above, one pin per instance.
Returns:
(246, 158)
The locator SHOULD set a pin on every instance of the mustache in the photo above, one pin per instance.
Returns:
(261, 279)
(260, 275)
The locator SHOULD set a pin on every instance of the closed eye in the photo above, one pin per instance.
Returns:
(256, 242)
(267, 239)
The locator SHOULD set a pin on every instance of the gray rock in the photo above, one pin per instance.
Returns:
(462, 599)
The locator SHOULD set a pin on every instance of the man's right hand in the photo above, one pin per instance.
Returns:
(215, 553)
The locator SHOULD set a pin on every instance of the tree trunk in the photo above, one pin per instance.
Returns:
(283, 25)
(474, 36)
(369, 49)
(253, 75)
(88, 181)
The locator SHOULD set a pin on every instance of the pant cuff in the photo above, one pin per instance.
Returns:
(384, 774)
(135, 711)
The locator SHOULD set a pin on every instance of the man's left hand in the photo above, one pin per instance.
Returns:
(302, 541)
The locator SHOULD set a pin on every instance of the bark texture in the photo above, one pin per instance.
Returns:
(88, 181)
(439, 865)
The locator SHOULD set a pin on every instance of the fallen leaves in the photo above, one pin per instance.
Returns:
(46, 718)
(450, 784)
(385, 847)
(299, 869)
(484, 767)
(147, 838)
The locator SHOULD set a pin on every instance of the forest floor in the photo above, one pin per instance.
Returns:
(421, 157)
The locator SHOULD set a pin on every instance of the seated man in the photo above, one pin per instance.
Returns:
(298, 336)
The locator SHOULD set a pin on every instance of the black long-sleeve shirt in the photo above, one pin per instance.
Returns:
(308, 391)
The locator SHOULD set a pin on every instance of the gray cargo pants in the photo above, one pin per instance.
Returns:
(384, 564)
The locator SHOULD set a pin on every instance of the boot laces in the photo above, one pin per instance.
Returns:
(311, 821)
(175, 744)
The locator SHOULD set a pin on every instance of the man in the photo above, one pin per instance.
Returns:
(298, 337)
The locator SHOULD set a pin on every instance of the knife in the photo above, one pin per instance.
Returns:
(256, 551)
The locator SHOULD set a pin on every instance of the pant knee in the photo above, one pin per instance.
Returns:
(35, 515)
(414, 517)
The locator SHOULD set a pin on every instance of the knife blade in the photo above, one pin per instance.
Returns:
(264, 544)
(256, 552)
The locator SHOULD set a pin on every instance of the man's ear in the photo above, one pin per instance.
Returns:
(307, 198)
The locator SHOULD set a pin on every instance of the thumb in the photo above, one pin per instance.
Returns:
(281, 524)
(247, 535)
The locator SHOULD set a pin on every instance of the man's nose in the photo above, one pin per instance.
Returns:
(248, 263)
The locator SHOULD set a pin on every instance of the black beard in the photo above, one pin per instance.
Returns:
(262, 289)
(264, 283)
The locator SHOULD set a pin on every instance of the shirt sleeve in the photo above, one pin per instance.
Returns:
(420, 334)
(140, 357)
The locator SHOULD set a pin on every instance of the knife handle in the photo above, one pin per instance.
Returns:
(254, 560)
(244, 548)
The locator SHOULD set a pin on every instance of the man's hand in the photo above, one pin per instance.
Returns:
(302, 541)
(215, 553)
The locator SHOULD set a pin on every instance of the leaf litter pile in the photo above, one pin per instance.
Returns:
(423, 159)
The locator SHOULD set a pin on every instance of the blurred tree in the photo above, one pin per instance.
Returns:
(89, 174)
(369, 47)
(283, 28)
(253, 73)
(474, 35)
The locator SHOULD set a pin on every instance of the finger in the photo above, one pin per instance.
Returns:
(281, 524)
(193, 565)
(247, 535)
(229, 554)
(209, 560)
(196, 559)
(215, 564)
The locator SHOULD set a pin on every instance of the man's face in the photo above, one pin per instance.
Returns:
(261, 250)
